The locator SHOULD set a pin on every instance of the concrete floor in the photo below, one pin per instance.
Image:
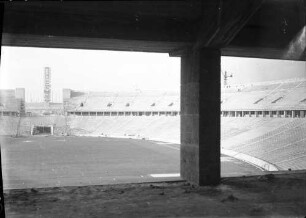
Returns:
(279, 195)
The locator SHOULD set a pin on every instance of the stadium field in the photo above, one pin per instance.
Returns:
(49, 161)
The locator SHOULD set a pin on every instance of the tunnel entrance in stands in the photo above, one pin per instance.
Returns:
(42, 130)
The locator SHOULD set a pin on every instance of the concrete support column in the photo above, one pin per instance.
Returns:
(2, 206)
(277, 114)
(200, 117)
(256, 114)
(302, 114)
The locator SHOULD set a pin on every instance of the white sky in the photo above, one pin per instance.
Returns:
(250, 70)
(93, 70)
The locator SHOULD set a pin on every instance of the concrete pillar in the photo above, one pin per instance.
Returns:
(256, 114)
(200, 117)
(277, 113)
(270, 114)
(302, 114)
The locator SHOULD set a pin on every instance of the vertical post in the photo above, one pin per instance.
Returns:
(2, 211)
(20, 95)
(200, 117)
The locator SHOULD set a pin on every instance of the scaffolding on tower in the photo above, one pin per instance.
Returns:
(226, 75)
(47, 85)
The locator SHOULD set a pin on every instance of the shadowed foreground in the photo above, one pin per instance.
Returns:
(282, 195)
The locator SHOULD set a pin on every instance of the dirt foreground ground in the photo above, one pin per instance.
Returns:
(280, 195)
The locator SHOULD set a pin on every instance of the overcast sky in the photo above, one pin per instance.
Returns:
(120, 71)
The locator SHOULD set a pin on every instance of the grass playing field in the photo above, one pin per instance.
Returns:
(48, 161)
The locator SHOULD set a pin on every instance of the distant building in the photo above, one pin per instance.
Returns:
(12, 102)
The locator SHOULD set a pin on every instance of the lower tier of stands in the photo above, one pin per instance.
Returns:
(281, 142)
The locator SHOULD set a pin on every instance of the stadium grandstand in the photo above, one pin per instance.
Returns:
(266, 121)
(252, 121)
(263, 123)
(121, 104)
(273, 99)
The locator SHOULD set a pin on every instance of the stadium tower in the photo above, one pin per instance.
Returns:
(47, 85)
(226, 76)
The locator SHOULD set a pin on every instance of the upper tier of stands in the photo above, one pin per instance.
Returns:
(137, 101)
(276, 95)
(280, 95)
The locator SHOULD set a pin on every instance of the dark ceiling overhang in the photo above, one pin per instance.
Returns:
(245, 28)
